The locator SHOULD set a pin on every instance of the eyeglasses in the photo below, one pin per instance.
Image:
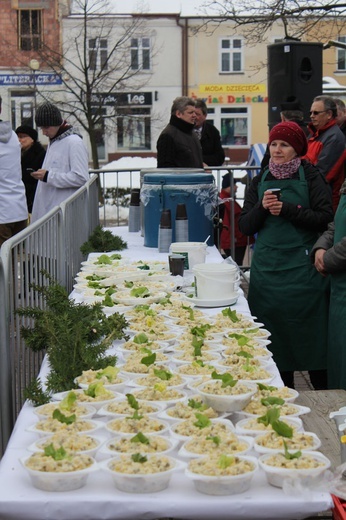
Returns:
(316, 112)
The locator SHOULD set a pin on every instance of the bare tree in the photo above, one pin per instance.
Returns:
(95, 66)
(296, 17)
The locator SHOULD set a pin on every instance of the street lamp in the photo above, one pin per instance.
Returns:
(34, 66)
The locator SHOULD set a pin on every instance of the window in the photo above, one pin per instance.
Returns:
(98, 54)
(341, 55)
(29, 29)
(234, 126)
(133, 125)
(140, 53)
(231, 55)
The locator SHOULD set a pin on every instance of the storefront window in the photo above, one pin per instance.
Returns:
(234, 127)
(133, 127)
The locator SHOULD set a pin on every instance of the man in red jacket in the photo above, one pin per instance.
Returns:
(326, 146)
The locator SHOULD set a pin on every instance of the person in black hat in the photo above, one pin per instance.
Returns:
(65, 167)
(32, 158)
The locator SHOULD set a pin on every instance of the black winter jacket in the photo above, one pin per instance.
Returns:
(213, 153)
(32, 158)
(315, 218)
(178, 146)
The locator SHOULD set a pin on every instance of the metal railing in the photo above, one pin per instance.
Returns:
(52, 245)
(244, 174)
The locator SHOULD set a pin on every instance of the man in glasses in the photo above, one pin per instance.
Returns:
(326, 145)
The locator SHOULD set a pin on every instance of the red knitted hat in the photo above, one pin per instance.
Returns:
(292, 134)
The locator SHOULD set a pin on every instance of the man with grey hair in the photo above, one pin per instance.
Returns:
(326, 145)
(13, 206)
(177, 145)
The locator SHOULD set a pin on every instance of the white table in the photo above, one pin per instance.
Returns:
(101, 500)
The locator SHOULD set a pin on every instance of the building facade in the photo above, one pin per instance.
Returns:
(124, 71)
(30, 32)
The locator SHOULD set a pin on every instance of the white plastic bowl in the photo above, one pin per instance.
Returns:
(316, 443)
(223, 485)
(95, 426)
(115, 387)
(43, 411)
(300, 410)
(226, 403)
(163, 425)
(227, 424)
(142, 381)
(142, 483)
(182, 397)
(60, 482)
(276, 476)
(186, 453)
(104, 410)
(111, 452)
(39, 444)
(242, 429)
(96, 404)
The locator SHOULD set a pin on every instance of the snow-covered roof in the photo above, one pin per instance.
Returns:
(181, 7)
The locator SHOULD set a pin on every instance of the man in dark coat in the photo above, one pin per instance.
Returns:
(178, 146)
(208, 134)
(32, 158)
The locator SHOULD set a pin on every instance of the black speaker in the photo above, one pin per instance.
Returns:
(294, 70)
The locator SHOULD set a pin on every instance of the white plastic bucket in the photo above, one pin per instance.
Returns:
(194, 252)
(215, 281)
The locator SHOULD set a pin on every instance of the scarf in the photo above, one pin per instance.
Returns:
(286, 170)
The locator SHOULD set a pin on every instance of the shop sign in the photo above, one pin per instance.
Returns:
(123, 99)
(232, 94)
(30, 79)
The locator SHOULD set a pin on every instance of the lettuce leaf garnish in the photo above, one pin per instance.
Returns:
(232, 315)
(163, 374)
(227, 379)
(140, 292)
(225, 461)
(140, 438)
(59, 454)
(64, 419)
(202, 421)
(290, 456)
(137, 457)
(69, 401)
(149, 360)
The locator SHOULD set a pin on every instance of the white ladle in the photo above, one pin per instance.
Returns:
(206, 240)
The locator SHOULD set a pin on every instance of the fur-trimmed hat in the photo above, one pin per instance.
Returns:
(27, 130)
(292, 134)
(48, 114)
(291, 103)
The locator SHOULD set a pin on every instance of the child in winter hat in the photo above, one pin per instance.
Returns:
(48, 114)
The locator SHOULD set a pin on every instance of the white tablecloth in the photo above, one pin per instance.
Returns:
(99, 499)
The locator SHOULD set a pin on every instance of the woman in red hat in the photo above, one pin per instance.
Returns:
(286, 293)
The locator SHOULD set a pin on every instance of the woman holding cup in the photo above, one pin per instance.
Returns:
(285, 292)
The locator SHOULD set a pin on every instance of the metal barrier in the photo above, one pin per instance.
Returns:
(52, 244)
(244, 174)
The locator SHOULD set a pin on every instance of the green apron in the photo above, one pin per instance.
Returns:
(337, 315)
(286, 292)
